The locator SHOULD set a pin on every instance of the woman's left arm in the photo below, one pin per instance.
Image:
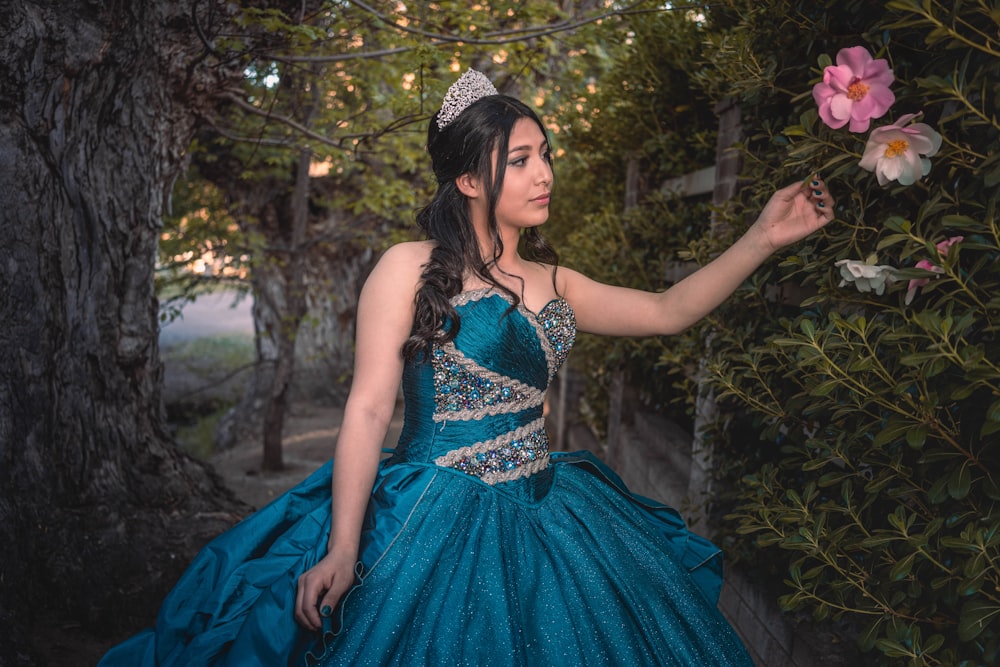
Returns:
(791, 214)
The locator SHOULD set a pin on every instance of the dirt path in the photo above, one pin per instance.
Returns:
(309, 437)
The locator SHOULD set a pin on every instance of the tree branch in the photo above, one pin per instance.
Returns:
(285, 120)
(439, 39)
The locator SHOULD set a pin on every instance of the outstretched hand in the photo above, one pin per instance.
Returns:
(794, 212)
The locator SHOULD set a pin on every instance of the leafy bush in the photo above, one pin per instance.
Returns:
(877, 481)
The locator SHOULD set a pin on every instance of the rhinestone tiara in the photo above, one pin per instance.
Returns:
(470, 87)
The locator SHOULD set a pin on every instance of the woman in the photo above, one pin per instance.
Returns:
(472, 544)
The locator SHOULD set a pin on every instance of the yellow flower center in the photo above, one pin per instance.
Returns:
(857, 91)
(896, 148)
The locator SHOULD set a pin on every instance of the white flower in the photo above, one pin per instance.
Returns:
(899, 152)
(866, 277)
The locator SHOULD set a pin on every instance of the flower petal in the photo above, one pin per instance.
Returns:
(877, 73)
(840, 107)
(856, 58)
(877, 101)
(925, 166)
(822, 92)
(891, 169)
(930, 135)
(859, 124)
(873, 151)
(920, 144)
(838, 77)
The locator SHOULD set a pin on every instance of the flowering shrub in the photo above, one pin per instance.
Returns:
(874, 490)
(854, 90)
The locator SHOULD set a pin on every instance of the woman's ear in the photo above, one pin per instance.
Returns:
(468, 185)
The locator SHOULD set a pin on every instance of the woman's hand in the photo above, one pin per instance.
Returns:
(321, 587)
(794, 212)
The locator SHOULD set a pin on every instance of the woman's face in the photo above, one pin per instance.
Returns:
(527, 181)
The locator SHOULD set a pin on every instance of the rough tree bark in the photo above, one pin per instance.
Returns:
(98, 509)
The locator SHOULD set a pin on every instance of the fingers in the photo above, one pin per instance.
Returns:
(315, 598)
(306, 594)
(819, 196)
(332, 596)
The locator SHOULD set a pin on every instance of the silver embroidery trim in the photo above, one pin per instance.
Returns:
(534, 398)
(527, 470)
(450, 459)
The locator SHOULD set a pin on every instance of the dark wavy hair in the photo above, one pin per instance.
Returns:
(465, 146)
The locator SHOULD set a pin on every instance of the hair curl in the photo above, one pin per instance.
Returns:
(465, 146)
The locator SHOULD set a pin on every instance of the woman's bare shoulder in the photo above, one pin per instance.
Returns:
(560, 276)
(415, 253)
(401, 264)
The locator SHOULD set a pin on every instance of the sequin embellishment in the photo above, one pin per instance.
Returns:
(465, 390)
(558, 322)
(520, 453)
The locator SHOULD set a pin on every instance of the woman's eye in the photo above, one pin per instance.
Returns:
(548, 156)
(519, 162)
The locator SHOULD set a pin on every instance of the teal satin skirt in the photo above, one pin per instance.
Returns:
(565, 567)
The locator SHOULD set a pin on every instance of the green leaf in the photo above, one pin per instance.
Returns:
(892, 648)
(960, 481)
(916, 436)
(878, 541)
(975, 617)
(958, 221)
(868, 636)
(902, 568)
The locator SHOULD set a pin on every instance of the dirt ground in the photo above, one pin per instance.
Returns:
(308, 443)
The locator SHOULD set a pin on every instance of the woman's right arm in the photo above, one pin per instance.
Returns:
(385, 317)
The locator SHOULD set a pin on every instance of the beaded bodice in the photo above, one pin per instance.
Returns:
(476, 404)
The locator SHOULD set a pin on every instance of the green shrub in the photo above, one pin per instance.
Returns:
(875, 486)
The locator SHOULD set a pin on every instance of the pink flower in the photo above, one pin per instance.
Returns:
(856, 89)
(899, 152)
(926, 265)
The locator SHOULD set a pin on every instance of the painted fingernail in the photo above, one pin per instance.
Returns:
(818, 193)
(820, 204)
(326, 610)
(814, 183)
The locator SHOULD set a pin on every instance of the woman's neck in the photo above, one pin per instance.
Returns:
(508, 258)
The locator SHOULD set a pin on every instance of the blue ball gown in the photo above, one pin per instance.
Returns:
(479, 546)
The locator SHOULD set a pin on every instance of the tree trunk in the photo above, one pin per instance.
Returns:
(304, 302)
(98, 509)
(274, 415)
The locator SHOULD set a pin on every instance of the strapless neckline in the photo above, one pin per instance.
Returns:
(467, 296)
